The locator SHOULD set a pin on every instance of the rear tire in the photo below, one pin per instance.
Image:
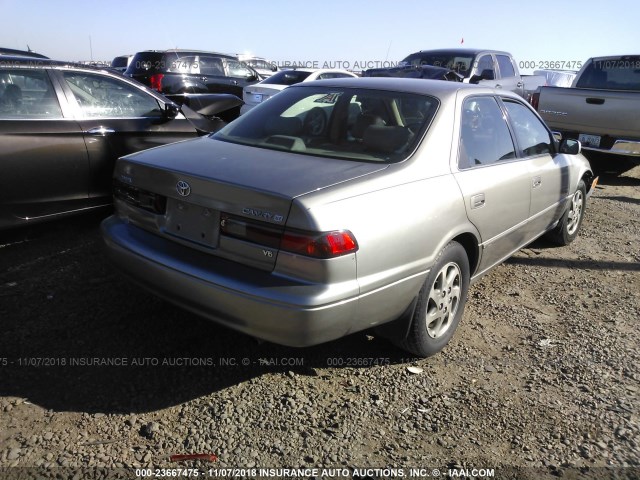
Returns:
(569, 225)
(440, 303)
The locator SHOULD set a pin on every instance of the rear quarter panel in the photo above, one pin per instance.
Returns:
(402, 217)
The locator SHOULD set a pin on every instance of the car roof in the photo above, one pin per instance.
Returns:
(630, 56)
(21, 53)
(461, 51)
(25, 61)
(314, 70)
(188, 51)
(438, 88)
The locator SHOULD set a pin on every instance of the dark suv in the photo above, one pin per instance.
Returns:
(191, 71)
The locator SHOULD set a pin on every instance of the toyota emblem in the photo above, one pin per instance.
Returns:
(183, 188)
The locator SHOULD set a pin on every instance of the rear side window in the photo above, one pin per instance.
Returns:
(612, 74)
(120, 62)
(27, 94)
(239, 69)
(188, 64)
(533, 138)
(484, 135)
(505, 65)
(197, 64)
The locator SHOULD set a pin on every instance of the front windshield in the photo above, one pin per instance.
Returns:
(461, 64)
(337, 122)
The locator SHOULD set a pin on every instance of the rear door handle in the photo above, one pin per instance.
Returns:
(536, 182)
(498, 85)
(477, 201)
(595, 101)
(102, 131)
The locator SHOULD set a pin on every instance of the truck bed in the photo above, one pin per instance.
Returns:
(603, 120)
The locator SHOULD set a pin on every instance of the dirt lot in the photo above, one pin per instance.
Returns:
(98, 378)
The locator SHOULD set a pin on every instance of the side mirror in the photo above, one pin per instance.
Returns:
(171, 110)
(570, 146)
(274, 68)
(251, 77)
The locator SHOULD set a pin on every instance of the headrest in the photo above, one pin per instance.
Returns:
(291, 126)
(386, 139)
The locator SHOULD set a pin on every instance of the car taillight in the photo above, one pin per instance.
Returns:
(319, 245)
(310, 244)
(156, 81)
(535, 100)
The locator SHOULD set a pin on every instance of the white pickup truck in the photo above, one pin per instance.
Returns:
(601, 110)
(492, 68)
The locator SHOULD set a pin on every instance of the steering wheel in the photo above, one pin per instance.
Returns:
(315, 122)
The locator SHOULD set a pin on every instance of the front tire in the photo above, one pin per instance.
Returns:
(569, 226)
(440, 303)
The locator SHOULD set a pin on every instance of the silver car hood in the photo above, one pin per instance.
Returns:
(285, 173)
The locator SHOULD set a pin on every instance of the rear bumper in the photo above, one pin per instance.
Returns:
(620, 147)
(251, 301)
(612, 145)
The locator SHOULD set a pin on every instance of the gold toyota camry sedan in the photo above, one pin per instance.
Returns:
(340, 205)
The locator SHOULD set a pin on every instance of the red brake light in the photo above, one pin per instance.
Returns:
(319, 245)
(311, 244)
(156, 81)
(535, 100)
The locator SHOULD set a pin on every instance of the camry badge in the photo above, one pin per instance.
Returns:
(183, 188)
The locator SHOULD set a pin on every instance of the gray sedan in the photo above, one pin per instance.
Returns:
(341, 205)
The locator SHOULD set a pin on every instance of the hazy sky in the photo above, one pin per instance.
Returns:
(331, 31)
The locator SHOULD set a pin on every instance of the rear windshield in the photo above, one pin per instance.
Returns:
(621, 73)
(119, 62)
(287, 77)
(144, 62)
(347, 123)
(455, 61)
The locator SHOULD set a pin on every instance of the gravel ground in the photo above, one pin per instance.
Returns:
(98, 378)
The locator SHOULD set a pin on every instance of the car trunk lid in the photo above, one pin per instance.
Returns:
(257, 93)
(230, 200)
